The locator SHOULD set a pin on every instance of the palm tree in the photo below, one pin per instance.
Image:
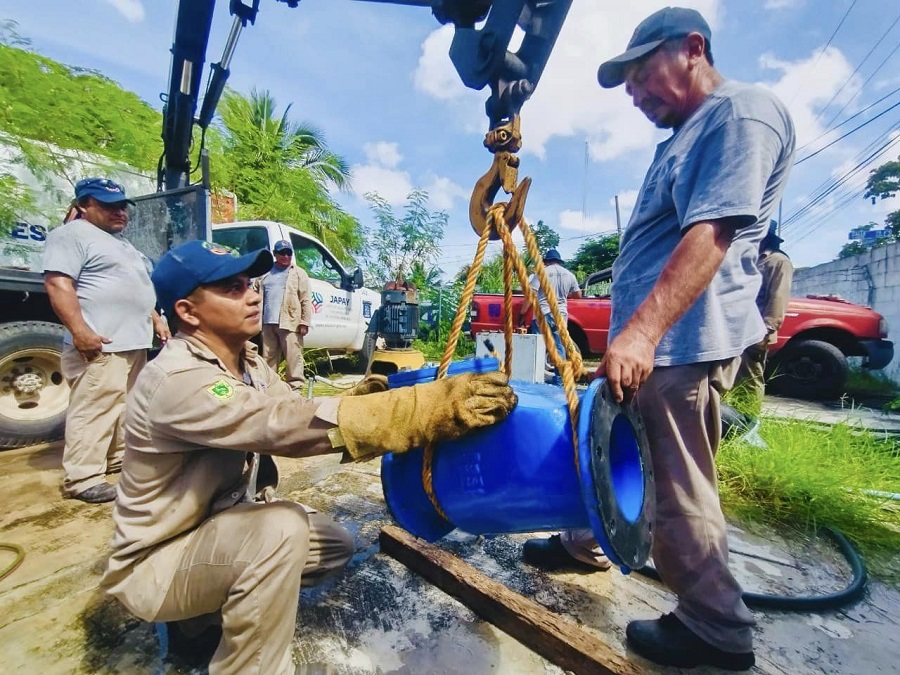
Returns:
(282, 170)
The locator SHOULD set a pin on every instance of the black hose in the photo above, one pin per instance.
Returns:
(806, 603)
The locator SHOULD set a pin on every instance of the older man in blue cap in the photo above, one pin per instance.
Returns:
(683, 311)
(99, 286)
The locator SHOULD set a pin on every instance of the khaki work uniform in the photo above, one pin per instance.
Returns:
(774, 294)
(198, 532)
(283, 340)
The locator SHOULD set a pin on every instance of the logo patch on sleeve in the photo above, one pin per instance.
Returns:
(221, 390)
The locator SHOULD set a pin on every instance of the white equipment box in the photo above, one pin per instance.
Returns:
(529, 354)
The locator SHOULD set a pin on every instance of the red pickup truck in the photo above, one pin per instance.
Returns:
(809, 360)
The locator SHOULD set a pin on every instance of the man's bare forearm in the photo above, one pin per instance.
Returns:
(684, 278)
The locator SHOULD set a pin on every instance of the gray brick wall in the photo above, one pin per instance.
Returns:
(871, 278)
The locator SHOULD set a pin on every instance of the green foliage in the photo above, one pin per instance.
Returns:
(594, 255)
(813, 477)
(395, 244)
(883, 183)
(281, 170)
(16, 203)
(433, 350)
(862, 382)
(43, 100)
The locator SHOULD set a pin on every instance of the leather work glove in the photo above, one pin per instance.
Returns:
(370, 384)
(411, 417)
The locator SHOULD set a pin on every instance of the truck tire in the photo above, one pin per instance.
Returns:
(810, 369)
(34, 395)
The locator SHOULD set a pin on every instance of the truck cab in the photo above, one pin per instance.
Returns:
(342, 307)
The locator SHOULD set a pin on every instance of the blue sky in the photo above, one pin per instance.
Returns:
(377, 79)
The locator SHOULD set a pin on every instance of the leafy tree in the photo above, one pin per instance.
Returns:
(884, 182)
(74, 108)
(595, 255)
(16, 203)
(397, 244)
(281, 170)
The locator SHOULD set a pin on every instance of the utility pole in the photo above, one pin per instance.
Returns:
(618, 222)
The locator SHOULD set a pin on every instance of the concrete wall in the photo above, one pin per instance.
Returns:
(871, 278)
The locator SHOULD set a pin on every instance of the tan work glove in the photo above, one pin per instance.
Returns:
(411, 417)
(370, 384)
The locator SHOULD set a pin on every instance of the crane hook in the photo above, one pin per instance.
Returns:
(504, 140)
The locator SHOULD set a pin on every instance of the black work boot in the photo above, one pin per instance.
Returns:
(196, 651)
(98, 494)
(669, 642)
(550, 555)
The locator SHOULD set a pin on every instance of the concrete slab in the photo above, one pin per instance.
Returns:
(868, 415)
(379, 617)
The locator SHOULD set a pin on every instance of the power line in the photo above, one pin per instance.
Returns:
(855, 129)
(825, 48)
(863, 86)
(849, 119)
(865, 58)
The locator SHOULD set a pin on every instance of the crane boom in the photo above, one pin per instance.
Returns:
(480, 55)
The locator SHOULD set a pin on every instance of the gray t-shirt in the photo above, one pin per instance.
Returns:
(562, 281)
(112, 282)
(731, 158)
(273, 294)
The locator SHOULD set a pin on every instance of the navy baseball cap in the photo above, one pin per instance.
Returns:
(102, 189)
(666, 24)
(552, 255)
(282, 245)
(186, 267)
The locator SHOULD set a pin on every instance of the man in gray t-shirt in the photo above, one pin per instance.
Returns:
(99, 286)
(683, 310)
(564, 285)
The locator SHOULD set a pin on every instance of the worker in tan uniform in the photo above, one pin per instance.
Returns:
(199, 537)
(774, 294)
(286, 313)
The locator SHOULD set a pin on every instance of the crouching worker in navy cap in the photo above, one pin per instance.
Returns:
(200, 542)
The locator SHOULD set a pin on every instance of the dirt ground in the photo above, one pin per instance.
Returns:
(381, 618)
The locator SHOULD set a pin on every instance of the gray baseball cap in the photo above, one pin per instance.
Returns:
(666, 24)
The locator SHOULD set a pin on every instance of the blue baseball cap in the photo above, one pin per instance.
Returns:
(183, 269)
(282, 245)
(552, 255)
(666, 24)
(102, 189)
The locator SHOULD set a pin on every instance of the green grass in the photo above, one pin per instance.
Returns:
(813, 477)
(861, 382)
(434, 349)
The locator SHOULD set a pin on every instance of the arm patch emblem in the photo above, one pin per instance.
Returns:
(221, 390)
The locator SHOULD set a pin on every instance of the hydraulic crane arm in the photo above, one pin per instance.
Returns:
(481, 57)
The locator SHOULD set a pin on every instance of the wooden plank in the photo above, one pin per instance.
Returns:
(557, 639)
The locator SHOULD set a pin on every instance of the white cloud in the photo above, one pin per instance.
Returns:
(627, 200)
(383, 154)
(443, 193)
(807, 85)
(781, 4)
(568, 100)
(132, 10)
(594, 224)
(392, 185)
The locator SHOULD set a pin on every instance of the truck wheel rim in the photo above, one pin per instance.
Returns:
(32, 387)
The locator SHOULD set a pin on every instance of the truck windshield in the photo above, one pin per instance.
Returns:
(317, 262)
(244, 239)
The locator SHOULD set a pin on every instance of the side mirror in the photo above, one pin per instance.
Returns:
(357, 278)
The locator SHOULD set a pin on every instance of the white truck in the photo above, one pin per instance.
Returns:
(34, 395)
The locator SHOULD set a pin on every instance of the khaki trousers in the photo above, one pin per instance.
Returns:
(244, 568)
(679, 406)
(95, 440)
(752, 373)
(280, 342)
